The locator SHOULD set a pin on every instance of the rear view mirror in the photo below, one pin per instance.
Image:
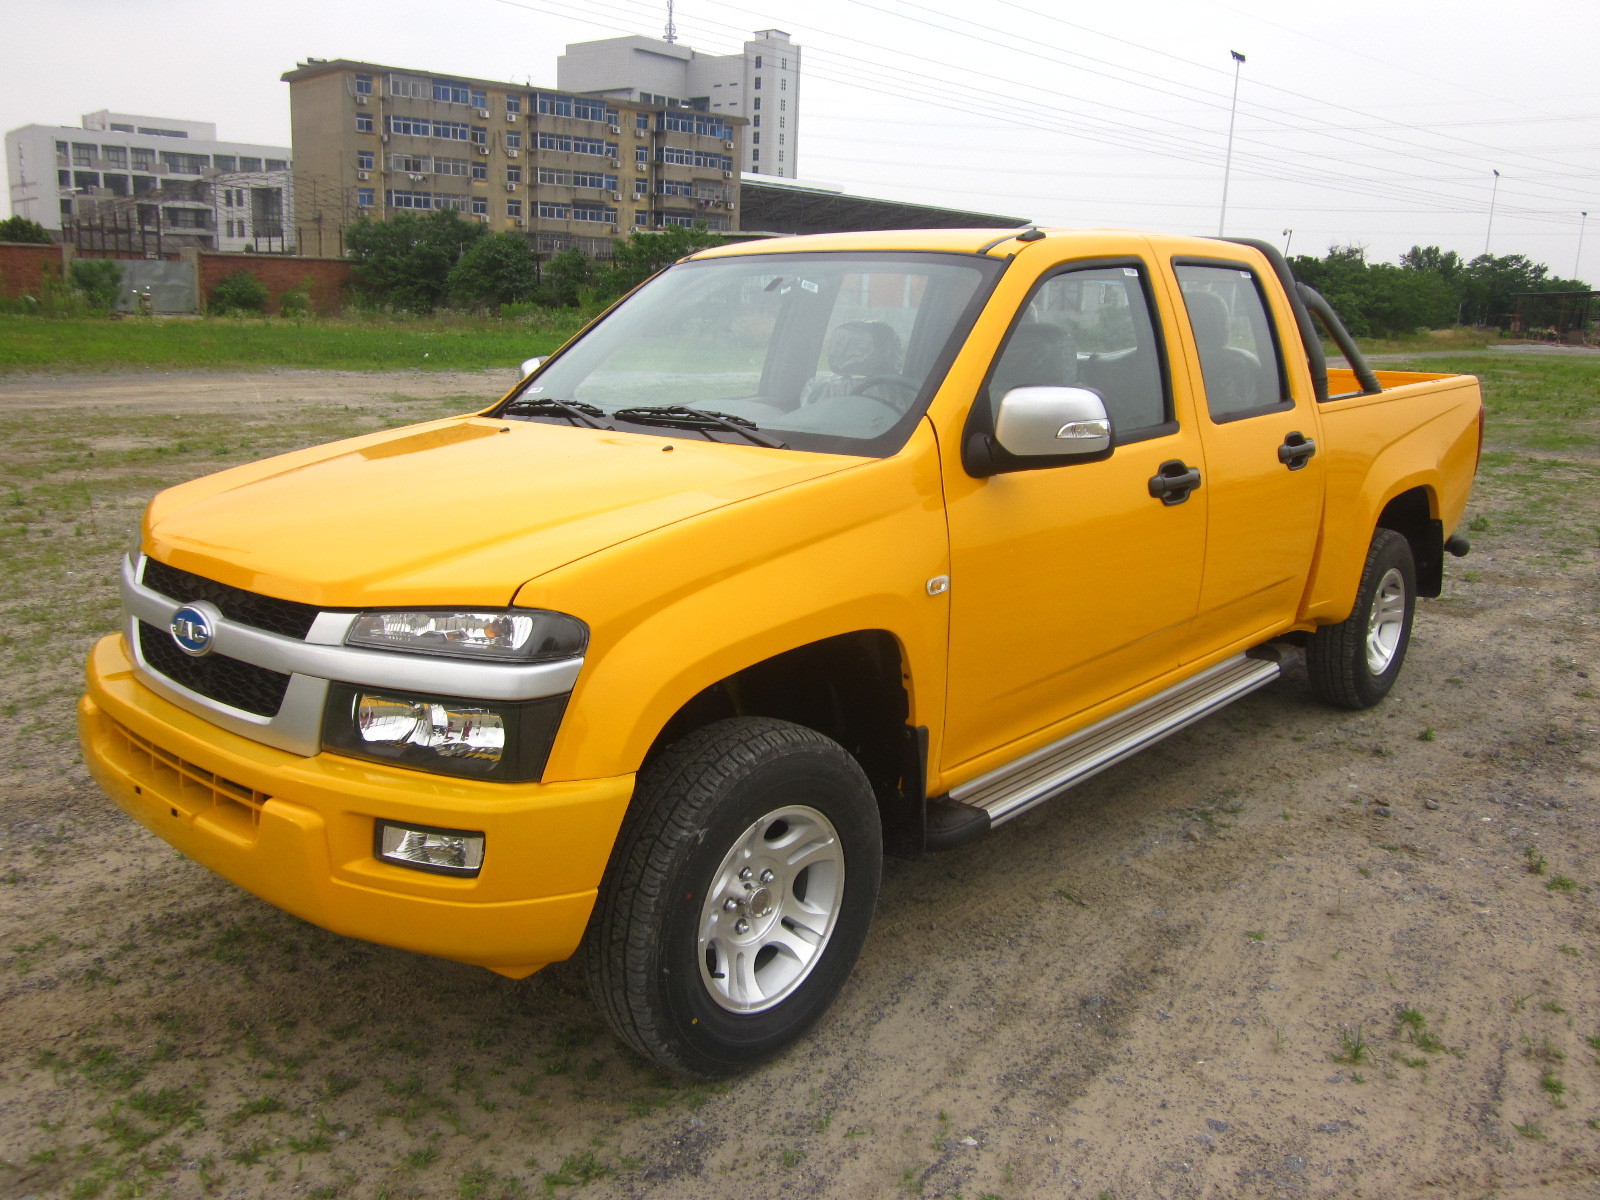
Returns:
(1052, 422)
(529, 366)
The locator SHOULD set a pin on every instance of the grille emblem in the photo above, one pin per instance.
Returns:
(194, 628)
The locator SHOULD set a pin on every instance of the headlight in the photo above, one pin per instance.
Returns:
(509, 635)
(505, 741)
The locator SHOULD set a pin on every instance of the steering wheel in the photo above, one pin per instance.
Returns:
(865, 381)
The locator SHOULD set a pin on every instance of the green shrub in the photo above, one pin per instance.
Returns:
(296, 301)
(20, 229)
(239, 291)
(98, 281)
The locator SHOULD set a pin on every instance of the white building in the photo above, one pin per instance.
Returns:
(149, 173)
(762, 84)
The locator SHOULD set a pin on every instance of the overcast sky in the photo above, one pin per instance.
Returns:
(1373, 122)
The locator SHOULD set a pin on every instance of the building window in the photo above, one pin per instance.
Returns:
(249, 164)
(641, 122)
(480, 206)
(513, 139)
(513, 208)
(225, 162)
(366, 198)
(480, 100)
(277, 164)
(86, 179)
(450, 166)
(513, 174)
(185, 164)
(364, 160)
(555, 212)
(363, 85)
(755, 156)
(758, 83)
(143, 159)
(64, 178)
(783, 85)
(755, 139)
(61, 147)
(82, 153)
(480, 170)
(115, 156)
(448, 92)
(758, 62)
(363, 122)
(514, 104)
(757, 122)
(757, 105)
(780, 142)
(783, 106)
(786, 64)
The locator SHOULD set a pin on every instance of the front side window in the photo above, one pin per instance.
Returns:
(1233, 334)
(1090, 327)
(837, 353)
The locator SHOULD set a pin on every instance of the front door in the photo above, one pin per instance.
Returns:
(1072, 584)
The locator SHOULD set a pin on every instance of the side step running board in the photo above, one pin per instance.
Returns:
(1013, 789)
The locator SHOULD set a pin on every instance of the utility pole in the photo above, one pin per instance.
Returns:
(1493, 195)
(1227, 168)
(1577, 263)
(1288, 236)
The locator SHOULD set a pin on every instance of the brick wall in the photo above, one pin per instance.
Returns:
(22, 267)
(279, 273)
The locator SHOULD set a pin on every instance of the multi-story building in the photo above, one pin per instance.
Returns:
(151, 176)
(761, 84)
(570, 169)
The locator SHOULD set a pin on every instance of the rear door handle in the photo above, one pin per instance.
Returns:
(1296, 450)
(1173, 481)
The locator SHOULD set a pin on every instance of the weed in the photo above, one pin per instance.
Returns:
(1552, 1086)
(257, 1108)
(1536, 861)
(1594, 1041)
(578, 1169)
(481, 1183)
(1256, 935)
(1068, 896)
(1353, 1048)
(252, 1154)
(1569, 950)
(1560, 883)
(790, 1157)
(335, 1085)
(1550, 1006)
(1426, 735)
(417, 1159)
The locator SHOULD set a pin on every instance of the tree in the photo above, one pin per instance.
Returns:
(498, 268)
(566, 276)
(643, 254)
(21, 229)
(406, 261)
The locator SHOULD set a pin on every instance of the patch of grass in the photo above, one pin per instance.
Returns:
(1560, 883)
(259, 1107)
(1426, 735)
(579, 1169)
(1552, 1086)
(1536, 862)
(1530, 1130)
(481, 1183)
(343, 344)
(1550, 1006)
(1256, 935)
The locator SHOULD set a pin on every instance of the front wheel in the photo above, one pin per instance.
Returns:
(738, 895)
(1354, 664)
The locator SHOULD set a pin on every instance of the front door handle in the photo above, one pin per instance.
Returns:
(1173, 481)
(1296, 450)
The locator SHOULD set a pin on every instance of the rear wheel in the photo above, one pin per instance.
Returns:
(738, 896)
(1354, 664)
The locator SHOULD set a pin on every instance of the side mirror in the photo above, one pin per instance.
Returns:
(1053, 422)
(531, 365)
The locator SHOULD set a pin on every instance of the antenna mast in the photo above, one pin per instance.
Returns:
(672, 30)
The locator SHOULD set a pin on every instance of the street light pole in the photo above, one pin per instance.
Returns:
(1577, 263)
(1233, 113)
(1288, 236)
(1492, 197)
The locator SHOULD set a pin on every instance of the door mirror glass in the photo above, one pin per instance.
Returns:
(1052, 421)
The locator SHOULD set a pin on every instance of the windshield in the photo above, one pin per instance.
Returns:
(822, 351)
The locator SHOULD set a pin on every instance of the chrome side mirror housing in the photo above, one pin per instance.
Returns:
(530, 365)
(1053, 422)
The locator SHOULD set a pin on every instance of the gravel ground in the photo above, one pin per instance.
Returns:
(1292, 951)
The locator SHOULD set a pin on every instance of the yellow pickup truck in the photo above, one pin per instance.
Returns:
(808, 550)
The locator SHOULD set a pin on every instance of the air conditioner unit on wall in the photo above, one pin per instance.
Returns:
(481, 149)
(616, 129)
(363, 175)
(511, 187)
(361, 100)
(727, 174)
(517, 221)
(511, 152)
(484, 113)
(616, 162)
(616, 195)
(512, 117)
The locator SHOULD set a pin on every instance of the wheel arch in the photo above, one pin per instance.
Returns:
(1413, 514)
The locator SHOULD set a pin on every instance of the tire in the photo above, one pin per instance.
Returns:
(709, 950)
(1354, 664)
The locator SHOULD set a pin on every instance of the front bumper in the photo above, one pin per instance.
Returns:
(298, 832)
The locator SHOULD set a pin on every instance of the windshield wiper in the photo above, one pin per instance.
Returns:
(578, 414)
(681, 416)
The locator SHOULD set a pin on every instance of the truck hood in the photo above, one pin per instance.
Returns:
(462, 511)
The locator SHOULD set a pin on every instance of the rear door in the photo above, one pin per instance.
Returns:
(1071, 584)
(1265, 482)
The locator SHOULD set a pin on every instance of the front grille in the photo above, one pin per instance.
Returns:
(288, 617)
(177, 780)
(225, 680)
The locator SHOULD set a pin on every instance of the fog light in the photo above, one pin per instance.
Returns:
(427, 848)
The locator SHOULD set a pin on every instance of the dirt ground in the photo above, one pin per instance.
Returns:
(1291, 952)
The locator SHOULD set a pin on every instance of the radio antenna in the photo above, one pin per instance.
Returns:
(672, 30)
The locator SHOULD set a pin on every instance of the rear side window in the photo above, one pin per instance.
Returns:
(1090, 327)
(1233, 332)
